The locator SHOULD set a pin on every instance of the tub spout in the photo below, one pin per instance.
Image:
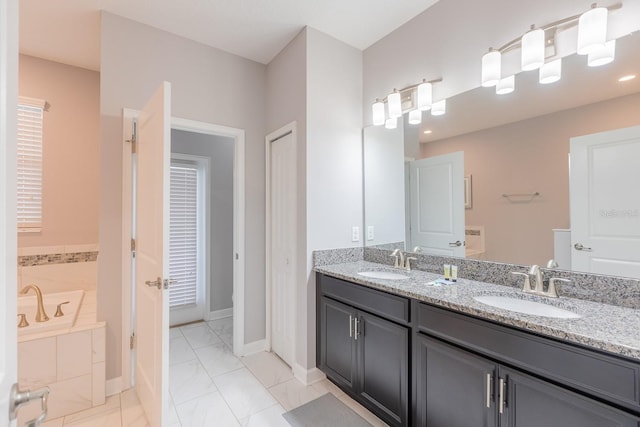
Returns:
(41, 316)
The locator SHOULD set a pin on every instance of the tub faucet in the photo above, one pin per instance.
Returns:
(41, 316)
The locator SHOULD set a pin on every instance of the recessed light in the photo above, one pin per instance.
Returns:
(427, 132)
(627, 78)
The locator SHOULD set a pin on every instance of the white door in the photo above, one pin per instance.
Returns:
(605, 202)
(437, 205)
(283, 245)
(152, 255)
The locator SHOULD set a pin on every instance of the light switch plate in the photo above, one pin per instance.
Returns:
(355, 233)
(370, 232)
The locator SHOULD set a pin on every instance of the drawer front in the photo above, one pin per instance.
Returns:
(381, 303)
(608, 377)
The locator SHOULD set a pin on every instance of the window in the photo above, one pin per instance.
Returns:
(183, 234)
(29, 150)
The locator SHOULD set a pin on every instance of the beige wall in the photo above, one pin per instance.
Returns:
(207, 85)
(523, 157)
(70, 151)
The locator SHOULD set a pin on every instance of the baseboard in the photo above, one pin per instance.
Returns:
(254, 347)
(113, 386)
(307, 376)
(220, 314)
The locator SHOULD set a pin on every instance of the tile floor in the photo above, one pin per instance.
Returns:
(209, 386)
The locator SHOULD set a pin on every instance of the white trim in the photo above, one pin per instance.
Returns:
(254, 347)
(307, 376)
(288, 128)
(113, 386)
(220, 314)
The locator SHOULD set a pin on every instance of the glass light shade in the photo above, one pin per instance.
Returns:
(391, 123)
(602, 55)
(415, 117)
(506, 85)
(439, 108)
(378, 113)
(532, 50)
(491, 68)
(425, 96)
(551, 72)
(592, 30)
(394, 104)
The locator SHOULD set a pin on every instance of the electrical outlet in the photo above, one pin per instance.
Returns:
(370, 233)
(355, 233)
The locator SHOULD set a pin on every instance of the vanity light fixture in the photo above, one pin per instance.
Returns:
(378, 113)
(592, 29)
(394, 104)
(538, 44)
(533, 46)
(491, 67)
(414, 97)
(427, 132)
(391, 123)
(415, 117)
(506, 85)
(550, 72)
(602, 55)
(439, 108)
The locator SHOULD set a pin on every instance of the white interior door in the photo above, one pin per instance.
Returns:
(437, 204)
(283, 245)
(605, 202)
(152, 255)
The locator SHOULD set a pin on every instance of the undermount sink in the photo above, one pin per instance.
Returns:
(526, 307)
(388, 275)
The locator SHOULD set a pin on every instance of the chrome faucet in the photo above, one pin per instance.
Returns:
(41, 316)
(539, 283)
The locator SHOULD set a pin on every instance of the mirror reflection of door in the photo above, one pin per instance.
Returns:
(605, 203)
(437, 205)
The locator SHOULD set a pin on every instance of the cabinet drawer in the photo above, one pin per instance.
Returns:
(611, 378)
(390, 306)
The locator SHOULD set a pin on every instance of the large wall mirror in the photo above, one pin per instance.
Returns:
(516, 200)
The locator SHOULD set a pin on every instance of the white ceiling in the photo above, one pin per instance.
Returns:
(68, 31)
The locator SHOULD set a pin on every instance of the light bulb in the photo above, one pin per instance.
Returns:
(592, 30)
(532, 50)
(425, 96)
(506, 85)
(391, 123)
(602, 55)
(415, 117)
(491, 68)
(439, 108)
(394, 104)
(551, 72)
(378, 113)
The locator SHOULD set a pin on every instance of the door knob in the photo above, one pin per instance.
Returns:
(455, 244)
(580, 247)
(18, 398)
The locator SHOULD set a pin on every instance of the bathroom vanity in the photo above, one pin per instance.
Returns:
(422, 355)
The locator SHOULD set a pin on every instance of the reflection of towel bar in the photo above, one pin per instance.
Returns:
(529, 196)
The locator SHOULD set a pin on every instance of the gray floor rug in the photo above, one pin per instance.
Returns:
(327, 411)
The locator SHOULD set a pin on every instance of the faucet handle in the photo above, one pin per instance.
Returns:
(396, 255)
(527, 280)
(22, 322)
(551, 290)
(407, 262)
(59, 312)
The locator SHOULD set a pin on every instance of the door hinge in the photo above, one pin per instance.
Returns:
(133, 245)
(134, 137)
(132, 341)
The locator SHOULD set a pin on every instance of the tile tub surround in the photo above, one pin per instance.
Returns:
(70, 361)
(604, 327)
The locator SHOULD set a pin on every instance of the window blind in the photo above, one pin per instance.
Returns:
(29, 168)
(183, 235)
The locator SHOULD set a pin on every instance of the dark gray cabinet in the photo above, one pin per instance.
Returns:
(366, 355)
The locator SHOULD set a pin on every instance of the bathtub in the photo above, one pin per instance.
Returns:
(28, 304)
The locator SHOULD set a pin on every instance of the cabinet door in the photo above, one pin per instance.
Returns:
(338, 350)
(383, 366)
(454, 388)
(531, 402)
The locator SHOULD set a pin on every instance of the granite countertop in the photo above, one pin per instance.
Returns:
(601, 326)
